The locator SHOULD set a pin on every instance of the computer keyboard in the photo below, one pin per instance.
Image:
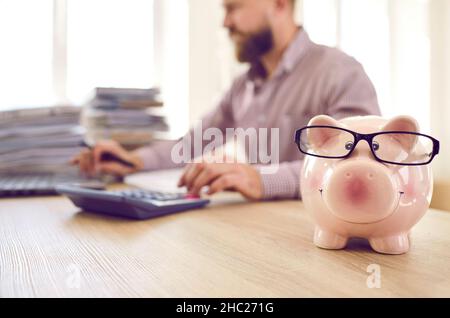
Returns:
(133, 203)
(40, 184)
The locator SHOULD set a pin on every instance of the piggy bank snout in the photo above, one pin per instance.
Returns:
(361, 191)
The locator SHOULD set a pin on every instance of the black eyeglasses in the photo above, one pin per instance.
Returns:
(394, 147)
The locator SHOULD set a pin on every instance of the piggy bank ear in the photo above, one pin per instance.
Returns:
(323, 120)
(317, 137)
(406, 124)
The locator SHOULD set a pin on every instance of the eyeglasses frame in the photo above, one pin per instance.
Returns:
(369, 139)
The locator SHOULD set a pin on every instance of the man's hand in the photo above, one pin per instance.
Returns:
(242, 178)
(90, 163)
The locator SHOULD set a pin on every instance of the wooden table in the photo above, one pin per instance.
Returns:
(230, 249)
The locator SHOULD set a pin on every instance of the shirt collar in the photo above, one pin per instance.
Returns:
(291, 57)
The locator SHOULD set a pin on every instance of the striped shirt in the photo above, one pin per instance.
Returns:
(310, 79)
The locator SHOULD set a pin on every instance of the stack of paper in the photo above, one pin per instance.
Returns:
(132, 117)
(39, 139)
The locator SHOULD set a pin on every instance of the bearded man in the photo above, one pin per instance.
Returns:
(290, 80)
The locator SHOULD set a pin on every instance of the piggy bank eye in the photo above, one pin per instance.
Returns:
(375, 146)
(349, 145)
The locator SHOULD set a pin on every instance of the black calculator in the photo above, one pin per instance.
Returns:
(133, 203)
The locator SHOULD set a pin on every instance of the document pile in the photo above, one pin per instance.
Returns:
(133, 117)
(39, 139)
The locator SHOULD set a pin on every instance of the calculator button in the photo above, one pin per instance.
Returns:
(151, 195)
(192, 196)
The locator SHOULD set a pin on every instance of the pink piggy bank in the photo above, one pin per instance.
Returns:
(366, 177)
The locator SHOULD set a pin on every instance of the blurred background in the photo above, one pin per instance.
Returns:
(54, 52)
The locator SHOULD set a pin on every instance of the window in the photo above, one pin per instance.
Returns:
(26, 52)
(55, 51)
(109, 43)
(389, 38)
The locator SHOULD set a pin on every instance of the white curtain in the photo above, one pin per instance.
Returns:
(390, 38)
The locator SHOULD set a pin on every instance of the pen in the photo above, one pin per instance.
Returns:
(106, 156)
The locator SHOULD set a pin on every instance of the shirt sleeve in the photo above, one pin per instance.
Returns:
(282, 181)
(348, 91)
(158, 155)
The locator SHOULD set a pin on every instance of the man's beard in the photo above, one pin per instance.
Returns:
(254, 46)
